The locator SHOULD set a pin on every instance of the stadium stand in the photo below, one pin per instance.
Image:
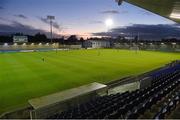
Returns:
(155, 101)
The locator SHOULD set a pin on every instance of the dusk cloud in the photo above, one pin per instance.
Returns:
(1, 18)
(124, 12)
(96, 22)
(110, 12)
(21, 16)
(1, 8)
(46, 21)
(114, 12)
(5, 19)
(16, 27)
(149, 32)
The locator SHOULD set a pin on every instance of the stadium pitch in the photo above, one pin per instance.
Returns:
(28, 75)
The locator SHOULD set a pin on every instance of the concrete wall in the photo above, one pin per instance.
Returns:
(149, 46)
(28, 46)
(21, 113)
(50, 110)
(59, 107)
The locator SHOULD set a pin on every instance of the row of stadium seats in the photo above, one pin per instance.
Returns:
(167, 70)
(128, 104)
(168, 107)
(160, 91)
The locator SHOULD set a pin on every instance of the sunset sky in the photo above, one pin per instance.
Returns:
(80, 17)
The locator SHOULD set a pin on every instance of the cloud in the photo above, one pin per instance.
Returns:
(21, 16)
(96, 22)
(110, 12)
(56, 25)
(114, 12)
(149, 32)
(5, 20)
(16, 27)
(124, 12)
(46, 21)
(1, 8)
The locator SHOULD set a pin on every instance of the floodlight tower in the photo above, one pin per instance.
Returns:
(51, 18)
(137, 45)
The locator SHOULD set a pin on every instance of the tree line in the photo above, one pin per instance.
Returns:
(37, 38)
(73, 39)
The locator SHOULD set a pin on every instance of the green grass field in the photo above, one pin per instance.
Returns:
(24, 75)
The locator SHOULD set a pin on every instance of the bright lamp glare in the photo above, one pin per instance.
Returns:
(109, 22)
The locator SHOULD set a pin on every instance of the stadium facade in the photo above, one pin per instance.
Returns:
(157, 95)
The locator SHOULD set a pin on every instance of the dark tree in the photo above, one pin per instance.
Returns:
(6, 39)
(72, 39)
(40, 38)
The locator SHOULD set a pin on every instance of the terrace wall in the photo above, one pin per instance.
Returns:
(27, 46)
(31, 46)
(149, 46)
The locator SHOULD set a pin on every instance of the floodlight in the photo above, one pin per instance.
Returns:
(49, 17)
(109, 22)
(5, 44)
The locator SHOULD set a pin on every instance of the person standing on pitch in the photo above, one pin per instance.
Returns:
(43, 59)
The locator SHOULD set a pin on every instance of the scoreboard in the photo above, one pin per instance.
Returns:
(20, 39)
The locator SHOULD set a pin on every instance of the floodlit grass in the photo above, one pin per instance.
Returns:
(24, 75)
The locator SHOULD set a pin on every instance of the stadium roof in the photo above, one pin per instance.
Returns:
(166, 8)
